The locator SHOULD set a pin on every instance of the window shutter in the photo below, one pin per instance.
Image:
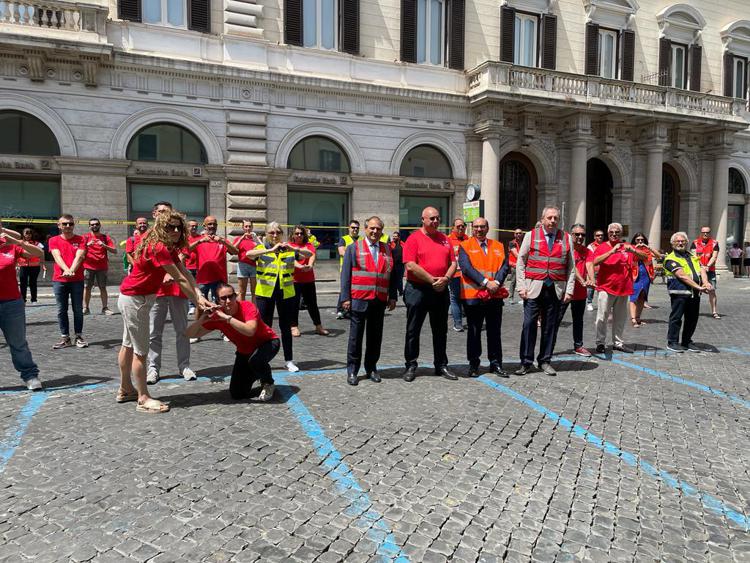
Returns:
(592, 49)
(507, 32)
(199, 15)
(549, 41)
(728, 75)
(409, 31)
(696, 56)
(350, 26)
(628, 55)
(456, 27)
(665, 62)
(293, 22)
(129, 10)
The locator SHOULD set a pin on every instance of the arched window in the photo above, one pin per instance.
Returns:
(426, 161)
(165, 142)
(23, 133)
(736, 182)
(318, 154)
(517, 192)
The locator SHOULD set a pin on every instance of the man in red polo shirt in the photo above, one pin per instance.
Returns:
(211, 250)
(141, 226)
(707, 251)
(513, 247)
(430, 265)
(96, 264)
(68, 251)
(457, 236)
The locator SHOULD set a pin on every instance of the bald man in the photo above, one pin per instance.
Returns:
(211, 251)
(430, 264)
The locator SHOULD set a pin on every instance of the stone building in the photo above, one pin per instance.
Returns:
(316, 111)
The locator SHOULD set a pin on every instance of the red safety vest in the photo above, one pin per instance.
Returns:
(705, 251)
(512, 258)
(486, 264)
(543, 263)
(372, 280)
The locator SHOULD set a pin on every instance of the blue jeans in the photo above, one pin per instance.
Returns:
(74, 291)
(454, 287)
(206, 287)
(13, 326)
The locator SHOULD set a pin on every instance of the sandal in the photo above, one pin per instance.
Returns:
(635, 322)
(321, 331)
(152, 406)
(123, 397)
(640, 322)
(716, 315)
(295, 331)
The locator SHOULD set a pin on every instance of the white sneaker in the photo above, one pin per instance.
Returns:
(291, 367)
(226, 338)
(266, 392)
(194, 340)
(33, 384)
(191, 310)
(152, 376)
(189, 374)
(589, 307)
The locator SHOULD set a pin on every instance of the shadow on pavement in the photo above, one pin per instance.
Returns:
(222, 397)
(62, 383)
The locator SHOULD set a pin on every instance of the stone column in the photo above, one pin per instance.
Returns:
(719, 204)
(652, 204)
(490, 184)
(577, 209)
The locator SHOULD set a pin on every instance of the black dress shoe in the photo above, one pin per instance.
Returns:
(473, 372)
(523, 370)
(446, 373)
(351, 378)
(498, 370)
(374, 376)
(410, 373)
(600, 349)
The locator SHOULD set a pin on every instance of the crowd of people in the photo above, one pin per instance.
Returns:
(173, 269)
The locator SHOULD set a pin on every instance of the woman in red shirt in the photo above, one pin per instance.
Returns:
(29, 268)
(157, 254)
(304, 281)
(246, 267)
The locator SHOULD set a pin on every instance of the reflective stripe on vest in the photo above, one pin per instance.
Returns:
(542, 263)
(674, 285)
(370, 280)
(347, 241)
(273, 268)
(486, 264)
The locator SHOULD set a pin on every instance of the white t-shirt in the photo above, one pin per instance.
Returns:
(747, 252)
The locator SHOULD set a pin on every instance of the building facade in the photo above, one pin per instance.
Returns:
(316, 111)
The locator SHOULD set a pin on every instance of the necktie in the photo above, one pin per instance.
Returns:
(374, 251)
(483, 244)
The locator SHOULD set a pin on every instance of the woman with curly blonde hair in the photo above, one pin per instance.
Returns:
(156, 255)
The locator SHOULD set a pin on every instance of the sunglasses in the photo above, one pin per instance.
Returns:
(354, 228)
(460, 226)
(67, 223)
(227, 297)
(579, 234)
(175, 228)
(298, 234)
(706, 233)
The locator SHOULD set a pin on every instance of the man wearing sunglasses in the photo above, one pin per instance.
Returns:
(211, 250)
(344, 242)
(96, 264)
(598, 239)
(707, 250)
(68, 251)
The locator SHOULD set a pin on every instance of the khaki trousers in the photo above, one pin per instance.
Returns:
(618, 305)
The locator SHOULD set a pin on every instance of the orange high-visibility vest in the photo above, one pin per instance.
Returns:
(486, 264)
(543, 263)
(370, 280)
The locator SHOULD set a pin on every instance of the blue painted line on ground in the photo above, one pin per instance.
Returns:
(378, 530)
(736, 351)
(14, 434)
(709, 501)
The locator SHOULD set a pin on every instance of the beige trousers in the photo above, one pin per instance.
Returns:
(618, 305)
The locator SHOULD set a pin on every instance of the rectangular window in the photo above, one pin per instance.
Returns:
(171, 13)
(679, 66)
(608, 53)
(430, 18)
(740, 68)
(187, 199)
(319, 23)
(35, 199)
(525, 37)
(324, 213)
(410, 211)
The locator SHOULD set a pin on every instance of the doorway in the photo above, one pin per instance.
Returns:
(599, 185)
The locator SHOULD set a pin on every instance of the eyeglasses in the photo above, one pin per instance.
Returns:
(353, 228)
(460, 226)
(94, 224)
(680, 242)
(229, 297)
(705, 232)
(579, 234)
(66, 223)
(175, 228)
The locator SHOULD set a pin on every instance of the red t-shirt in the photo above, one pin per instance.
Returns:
(68, 249)
(212, 262)
(148, 274)
(96, 254)
(9, 255)
(170, 289)
(243, 245)
(299, 276)
(245, 344)
(433, 253)
(581, 254)
(614, 275)
(132, 243)
(32, 261)
(191, 261)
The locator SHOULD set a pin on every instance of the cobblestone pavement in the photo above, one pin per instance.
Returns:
(638, 457)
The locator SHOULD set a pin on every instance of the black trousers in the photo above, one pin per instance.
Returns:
(371, 321)
(548, 305)
(577, 310)
(27, 277)
(307, 292)
(250, 367)
(687, 307)
(490, 312)
(422, 300)
(286, 315)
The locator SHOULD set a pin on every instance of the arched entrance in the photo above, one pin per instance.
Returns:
(598, 196)
(517, 193)
(670, 205)
(736, 208)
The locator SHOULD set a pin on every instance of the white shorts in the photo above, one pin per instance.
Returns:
(136, 323)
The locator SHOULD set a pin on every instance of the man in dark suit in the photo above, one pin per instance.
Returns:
(367, 288)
